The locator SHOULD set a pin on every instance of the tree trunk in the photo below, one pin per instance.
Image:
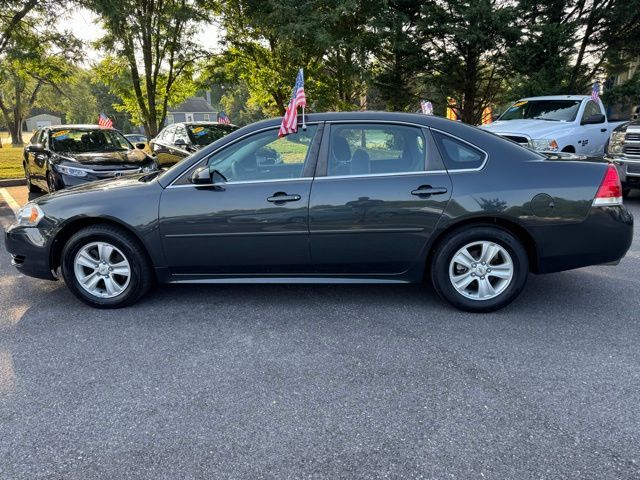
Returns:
(15, 129)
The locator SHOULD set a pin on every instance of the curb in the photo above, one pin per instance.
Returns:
(12, 182)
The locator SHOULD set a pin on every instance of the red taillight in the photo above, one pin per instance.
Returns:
(610, 191)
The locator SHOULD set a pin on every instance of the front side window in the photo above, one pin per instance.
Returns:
(361, 149)
(458, 155)
(264, 156)
(550, 110)
(590, 109)
(86, 140)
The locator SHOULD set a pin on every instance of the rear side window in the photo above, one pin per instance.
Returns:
(458, 155)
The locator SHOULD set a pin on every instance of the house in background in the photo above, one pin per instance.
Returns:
(42, 120)
(193, 109)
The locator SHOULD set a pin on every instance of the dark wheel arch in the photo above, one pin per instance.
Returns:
(569, 149)
(516, 230)
(70, 228)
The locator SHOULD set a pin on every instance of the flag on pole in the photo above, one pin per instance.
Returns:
(595, 91)
(298, 99)
(104, 121)
(222, 118)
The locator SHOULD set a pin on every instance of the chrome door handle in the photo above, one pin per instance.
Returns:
(428, 190)
(281, 197)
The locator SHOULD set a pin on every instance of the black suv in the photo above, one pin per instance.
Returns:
(180, 140)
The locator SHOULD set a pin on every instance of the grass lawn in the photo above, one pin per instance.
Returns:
(10, 159)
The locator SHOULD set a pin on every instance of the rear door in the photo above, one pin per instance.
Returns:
(379, 191)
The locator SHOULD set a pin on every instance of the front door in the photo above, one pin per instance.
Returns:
(375, 205)
(253, 219)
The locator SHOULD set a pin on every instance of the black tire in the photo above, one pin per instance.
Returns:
(52, 186)
(141, 278)
(452, 243)
(31, 188)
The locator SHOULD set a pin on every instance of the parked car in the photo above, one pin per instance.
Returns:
(140, 141)
(624, 150)
(356, 197)
(557, 123)
(179, 140)
(66, 155)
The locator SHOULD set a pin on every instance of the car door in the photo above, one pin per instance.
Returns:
(39, 160)
(379, 192)
(253, 223)
(161, 147)
(594, 136)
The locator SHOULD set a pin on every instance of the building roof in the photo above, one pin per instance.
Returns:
(193, 105)
(44, 115)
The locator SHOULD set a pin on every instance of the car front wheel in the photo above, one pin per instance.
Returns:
(479, 269)
(105, 267)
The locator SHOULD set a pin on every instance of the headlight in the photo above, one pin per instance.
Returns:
(616, 142)
(545, 145)
(74, 172)
(29, 215)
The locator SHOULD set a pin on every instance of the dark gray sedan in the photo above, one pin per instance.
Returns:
(363, 197)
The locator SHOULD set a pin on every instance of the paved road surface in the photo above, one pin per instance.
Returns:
(322, 382)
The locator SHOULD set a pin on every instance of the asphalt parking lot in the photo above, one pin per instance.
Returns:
(322, 381)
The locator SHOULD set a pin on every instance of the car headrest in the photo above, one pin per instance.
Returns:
(360, 163)
(340, 149)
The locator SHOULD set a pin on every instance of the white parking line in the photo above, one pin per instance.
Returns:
(10, 200)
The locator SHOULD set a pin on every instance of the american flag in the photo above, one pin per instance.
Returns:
(595, 91)
(104, 121)
(298, 99)
(222, 118)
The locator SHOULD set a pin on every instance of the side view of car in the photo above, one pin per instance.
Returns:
(67, 155)
(356, 197)
(180, 140)
(557, 123)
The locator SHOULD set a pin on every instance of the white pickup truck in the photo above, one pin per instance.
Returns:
(557, 123)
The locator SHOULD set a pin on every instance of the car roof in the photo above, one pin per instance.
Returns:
(558, 97)
(203, 122)
(79, 127)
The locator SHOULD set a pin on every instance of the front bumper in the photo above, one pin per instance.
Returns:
(30, 251)
(604, 237)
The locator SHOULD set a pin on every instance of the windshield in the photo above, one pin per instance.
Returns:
(551, 110)
(202, 135)
(88, 140)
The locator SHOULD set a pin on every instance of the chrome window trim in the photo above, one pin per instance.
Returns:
(394, 174)
(206, 159)
(465, 170)
(242, 182)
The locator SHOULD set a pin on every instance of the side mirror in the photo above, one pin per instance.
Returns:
(593, 119)
(201, 176)
(140, 146)
(36, 148)
(180, 142)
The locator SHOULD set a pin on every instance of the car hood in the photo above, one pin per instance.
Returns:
(531, 128)
(124, 158)
(113, 186)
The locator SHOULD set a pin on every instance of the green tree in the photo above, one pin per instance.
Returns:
(466, 47)
(152, 53)
(32, 58)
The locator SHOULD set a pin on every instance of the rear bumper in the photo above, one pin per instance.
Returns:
(29, 251)
(604, 237)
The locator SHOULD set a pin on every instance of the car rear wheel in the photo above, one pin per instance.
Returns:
(105, 267)
(479, 269)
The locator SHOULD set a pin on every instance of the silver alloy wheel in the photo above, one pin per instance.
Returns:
(481, 270)
(102, 269)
